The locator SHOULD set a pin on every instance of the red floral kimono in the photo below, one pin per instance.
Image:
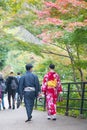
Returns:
(51, 87)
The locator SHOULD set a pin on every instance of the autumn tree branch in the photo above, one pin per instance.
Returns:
(50, 52)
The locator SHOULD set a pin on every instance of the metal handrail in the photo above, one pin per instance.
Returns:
(68, 98)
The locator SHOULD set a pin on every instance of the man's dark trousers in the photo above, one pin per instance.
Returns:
(29, 97)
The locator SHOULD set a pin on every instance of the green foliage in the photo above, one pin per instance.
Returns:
(79, 36)
(74, 113)
(29, 47)
(3, 4)
(64, 71)
(26, 21)
(81, 64)
(11, 5)
(74, 102)
(43, 66)
(77, 43)
(15, 53)
(33, 2)
(3, 55)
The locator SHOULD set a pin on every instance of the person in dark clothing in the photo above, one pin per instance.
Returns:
(18, 76)
(10, 89)
(2, 90)
(18, 79)
(0, 98)
(30, 88)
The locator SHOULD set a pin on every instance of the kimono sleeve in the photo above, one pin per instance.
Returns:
(59, 85)
(44, 84)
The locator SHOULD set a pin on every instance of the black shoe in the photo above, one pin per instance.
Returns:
(13, 107)
(29, 119)
(54, 119)
(4, 108)
(9, 107)
(49, 117)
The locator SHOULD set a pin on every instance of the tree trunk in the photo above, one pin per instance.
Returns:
(73, 67)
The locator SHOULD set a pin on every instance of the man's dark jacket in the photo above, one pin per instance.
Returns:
(29, 80)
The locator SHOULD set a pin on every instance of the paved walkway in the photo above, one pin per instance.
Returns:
(15, 120)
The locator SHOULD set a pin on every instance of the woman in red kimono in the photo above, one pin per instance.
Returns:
(51, 87)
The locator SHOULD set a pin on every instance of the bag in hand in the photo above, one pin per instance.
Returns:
(2, 86)
(18, 101)
(60, 98)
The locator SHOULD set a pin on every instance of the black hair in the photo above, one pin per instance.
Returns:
(18, 73)
(52, 66)
(11, 72)
(29, 66)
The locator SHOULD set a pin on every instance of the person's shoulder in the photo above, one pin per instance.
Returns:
(56, 74)
(33, 74)
(1, 78)
(47, 74)
(8, 78)
(22, 76)
(14, 77)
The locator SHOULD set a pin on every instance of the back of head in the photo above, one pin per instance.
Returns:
(28, 66)
(52, 66)
(18, 73)
(11, 73)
